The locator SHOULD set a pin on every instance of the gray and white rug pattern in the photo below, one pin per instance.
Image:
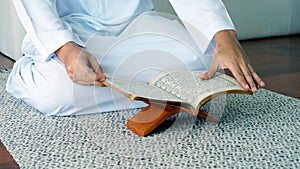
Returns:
(259, 131)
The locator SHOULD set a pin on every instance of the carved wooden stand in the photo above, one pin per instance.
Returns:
(153, 115)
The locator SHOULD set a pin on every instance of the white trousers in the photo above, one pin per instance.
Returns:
(149, 44)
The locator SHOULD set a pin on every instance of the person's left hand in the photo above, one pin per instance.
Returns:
(229, 54)
(81, 66)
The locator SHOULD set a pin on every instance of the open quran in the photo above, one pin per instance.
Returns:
(182, 89)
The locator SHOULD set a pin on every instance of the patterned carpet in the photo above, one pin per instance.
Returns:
(259, 131)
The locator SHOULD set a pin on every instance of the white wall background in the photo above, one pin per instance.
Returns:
(11, 31)
(252, 18)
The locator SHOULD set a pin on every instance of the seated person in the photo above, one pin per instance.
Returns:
(70, 45)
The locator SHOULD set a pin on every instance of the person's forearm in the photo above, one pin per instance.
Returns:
(203, 18)
(44, 26)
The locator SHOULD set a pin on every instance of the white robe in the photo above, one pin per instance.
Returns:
(127, 37)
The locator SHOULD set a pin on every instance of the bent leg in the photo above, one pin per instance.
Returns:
(47, 87)
(149, 45)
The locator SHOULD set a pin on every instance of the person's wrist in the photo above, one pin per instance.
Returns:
(225, 39)
(225, 35)
(65, 50)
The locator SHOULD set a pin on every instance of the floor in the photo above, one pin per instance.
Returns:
(276, 60)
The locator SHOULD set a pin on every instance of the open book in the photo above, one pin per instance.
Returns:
(180, 88)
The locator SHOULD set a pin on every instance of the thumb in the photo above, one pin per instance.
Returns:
(210, 73)
(97, 68)
(100, 77)
(99, 74)
(205, 76)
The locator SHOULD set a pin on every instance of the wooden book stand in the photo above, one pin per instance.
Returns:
(154, 114)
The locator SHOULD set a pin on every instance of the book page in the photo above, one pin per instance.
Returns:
(189, 87)
(137, 90)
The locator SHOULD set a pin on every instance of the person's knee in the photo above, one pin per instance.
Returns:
(51, 102)
(42, 85)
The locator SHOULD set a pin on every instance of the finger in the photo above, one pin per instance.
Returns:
(86, 81)
(100, 78)
(98, 83)
(239, 76)
(92, 79)
(93, 62)
(84, 75)
(249, 78)
(97, 68)
(100, 74)
(204, 76)
(211, 71)
(257, 79)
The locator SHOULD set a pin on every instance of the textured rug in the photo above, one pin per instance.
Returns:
(259, 131)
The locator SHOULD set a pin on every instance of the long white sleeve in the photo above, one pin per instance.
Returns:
(203, 18)
(43, 26)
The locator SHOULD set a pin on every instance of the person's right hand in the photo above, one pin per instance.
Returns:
(81, 66)
(230, 55)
